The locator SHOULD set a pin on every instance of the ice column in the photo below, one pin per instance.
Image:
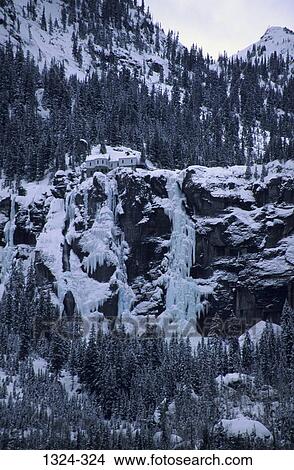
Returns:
(70, 206)
(9, 229)
(183, 295)
(86, 205)
(125, 293)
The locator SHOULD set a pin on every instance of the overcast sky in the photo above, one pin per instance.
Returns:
(219, 25)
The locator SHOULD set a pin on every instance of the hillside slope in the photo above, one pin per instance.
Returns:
(136, 84)
(49, 32)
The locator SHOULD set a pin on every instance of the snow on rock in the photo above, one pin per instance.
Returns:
(184, 295)
(290, 253)
(244, 226)
(230, 182)
(277, 265)
(89, 294)
(256, 332)
(243, 426)
(113, 154)
(223, 182)
(82, 228)
(34, 192)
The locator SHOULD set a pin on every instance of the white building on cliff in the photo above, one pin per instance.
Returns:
(106, 158)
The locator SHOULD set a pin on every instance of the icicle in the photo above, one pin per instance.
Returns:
(98, 241)
(10, 226)
(183, 299)
(111, 192)
(70, 206)
(9, 229)
(86, 213)
(125, 293)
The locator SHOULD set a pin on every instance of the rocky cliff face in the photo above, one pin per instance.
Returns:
(175, 247)
(244, 242)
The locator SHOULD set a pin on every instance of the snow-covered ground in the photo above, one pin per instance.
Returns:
(256, 331)
(231, 181)
(243, 426)
(57, 45)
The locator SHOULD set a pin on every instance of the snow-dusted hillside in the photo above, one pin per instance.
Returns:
(56, 42)
(22, 30)
(275, 39)
(255, 124)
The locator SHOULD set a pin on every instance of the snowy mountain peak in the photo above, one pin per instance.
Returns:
(276, 30)
(280, 38)
(276, 39)
(273, 32)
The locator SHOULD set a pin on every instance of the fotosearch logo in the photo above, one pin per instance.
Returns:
(163, 326)
(160, 460)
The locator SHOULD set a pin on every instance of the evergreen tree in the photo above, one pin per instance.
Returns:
(103, 149)
(247, 354)
(287, 323)
(57, 353)
(43, 20)
(216, 327)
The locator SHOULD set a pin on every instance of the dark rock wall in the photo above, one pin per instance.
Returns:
(241, 245)
(235, 253)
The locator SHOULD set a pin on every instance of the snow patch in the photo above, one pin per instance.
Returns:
(243, 426)
(256, 331)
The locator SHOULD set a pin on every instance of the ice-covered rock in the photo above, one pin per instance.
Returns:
(178, 246)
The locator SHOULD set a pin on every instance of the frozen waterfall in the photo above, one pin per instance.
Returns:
(7, 253)
(125, 293)
(183, 298)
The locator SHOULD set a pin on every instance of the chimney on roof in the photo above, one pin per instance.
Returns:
(103, 149)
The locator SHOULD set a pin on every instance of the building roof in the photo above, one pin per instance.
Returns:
(113, 153)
